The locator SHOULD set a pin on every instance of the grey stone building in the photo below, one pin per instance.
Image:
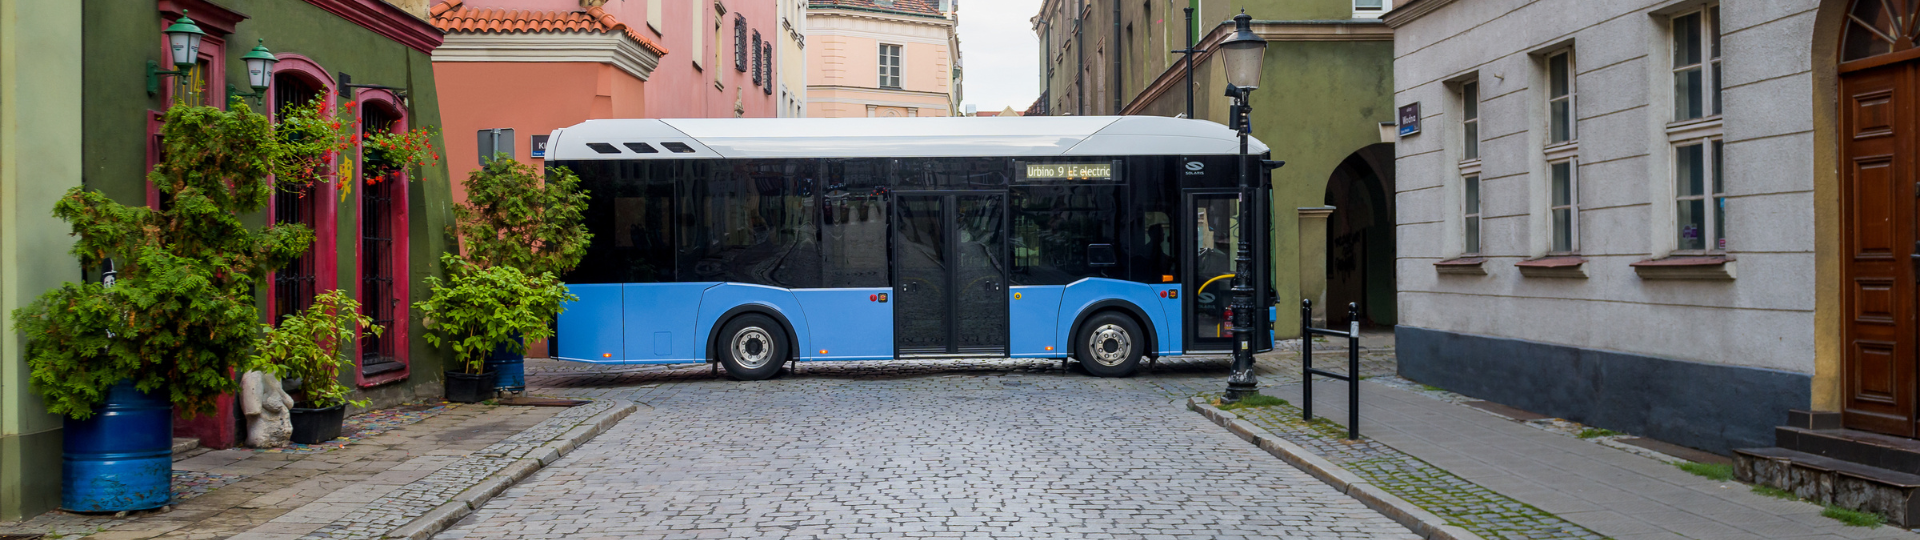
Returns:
(1675, 218)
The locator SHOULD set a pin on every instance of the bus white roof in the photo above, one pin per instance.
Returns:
(748, 138)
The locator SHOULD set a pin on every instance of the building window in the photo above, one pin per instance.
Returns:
(699, 35)
(1565, 207)
(382, 255)
(766, 51)
(294, 285)
(1470, 207)
(1369, 5)
(889, 66)
(1696, 64)
(756, 58)
(740, 43)
(1470, 119)
(1560, 97)
(654, 17)
(1700, 197)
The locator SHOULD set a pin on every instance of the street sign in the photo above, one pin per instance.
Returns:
(1410, 119)
(539, 144)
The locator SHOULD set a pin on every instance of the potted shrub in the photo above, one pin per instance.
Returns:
(179, 318)
(478, 309)
(514, 216)
(311, 347)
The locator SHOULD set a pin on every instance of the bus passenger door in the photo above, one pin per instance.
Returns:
(949, 257)
(1209, 238)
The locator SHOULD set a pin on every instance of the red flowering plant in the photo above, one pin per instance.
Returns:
(388, 154)
(312, 137)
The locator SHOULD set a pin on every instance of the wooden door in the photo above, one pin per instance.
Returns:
(1877, 194)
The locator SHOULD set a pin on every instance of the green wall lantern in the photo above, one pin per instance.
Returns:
(183, 46)
(260, 63)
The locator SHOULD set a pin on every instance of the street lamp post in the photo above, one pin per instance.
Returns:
(1243, 56)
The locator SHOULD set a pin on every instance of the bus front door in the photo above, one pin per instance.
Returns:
(1212, 236)
(950, 274)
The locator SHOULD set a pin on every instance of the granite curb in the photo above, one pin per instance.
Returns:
(444, 516)
(1421, 522)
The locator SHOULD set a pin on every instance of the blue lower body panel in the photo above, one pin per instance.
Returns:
(1034, 321)
(848, 324)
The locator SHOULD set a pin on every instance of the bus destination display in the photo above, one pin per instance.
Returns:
(1069, 171)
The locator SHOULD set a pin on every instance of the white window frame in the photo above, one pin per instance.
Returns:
(1472, 207)
(1371, 12)
(1470, 121)
(1707, 31)
(1571, 206)
(1572, 114)
(1712, 196)
(899, 71)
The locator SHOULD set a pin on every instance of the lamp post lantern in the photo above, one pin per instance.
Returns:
(1243, 55)
(183, 49)
(260, 63)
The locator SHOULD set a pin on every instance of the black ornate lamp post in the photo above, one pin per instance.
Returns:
(1243, 56)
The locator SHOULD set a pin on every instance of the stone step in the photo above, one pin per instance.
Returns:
(1871, 449)
(186, 447)
(1827, 480)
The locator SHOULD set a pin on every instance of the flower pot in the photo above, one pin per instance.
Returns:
(510, 367)
(314, 426)
(468, 387)
(121, 459)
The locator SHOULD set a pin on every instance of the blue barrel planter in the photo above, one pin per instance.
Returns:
(121, 459)
(509, 368)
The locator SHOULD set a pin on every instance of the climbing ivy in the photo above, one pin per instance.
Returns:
(180, 318)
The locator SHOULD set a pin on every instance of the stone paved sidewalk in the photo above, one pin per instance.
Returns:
(1603, 489)
(405, 465)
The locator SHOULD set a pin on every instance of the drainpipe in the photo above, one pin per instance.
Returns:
(1115, 50)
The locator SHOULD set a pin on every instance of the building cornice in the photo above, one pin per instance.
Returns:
(210, 15)
(888, 91)
(1412, 9)
(606, 48)
(1272, 31)
(878, 15)
(387, 20)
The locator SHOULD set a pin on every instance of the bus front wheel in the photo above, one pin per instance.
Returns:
(1110, 345)
(752, 347)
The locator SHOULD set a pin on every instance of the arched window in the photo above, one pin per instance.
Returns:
(382, 260)
(297, 81)
(1877, 27)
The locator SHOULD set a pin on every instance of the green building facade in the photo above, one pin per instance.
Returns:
(1327, 88)
(80, 112)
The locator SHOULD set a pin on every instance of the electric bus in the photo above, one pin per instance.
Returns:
(757, 242)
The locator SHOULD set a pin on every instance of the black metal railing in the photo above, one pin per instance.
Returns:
(1307, 331)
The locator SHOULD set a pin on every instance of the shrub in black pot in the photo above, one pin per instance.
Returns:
(479, 309)
(311, 347)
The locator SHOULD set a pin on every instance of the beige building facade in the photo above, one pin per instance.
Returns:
(879, 58)
(792, 75)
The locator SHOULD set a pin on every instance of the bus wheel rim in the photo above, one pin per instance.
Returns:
(1105, 335)
(752, 347)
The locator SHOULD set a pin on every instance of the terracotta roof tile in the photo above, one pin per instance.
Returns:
(912, 7)
(453, 16)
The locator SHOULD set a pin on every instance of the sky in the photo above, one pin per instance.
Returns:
(1000, 53)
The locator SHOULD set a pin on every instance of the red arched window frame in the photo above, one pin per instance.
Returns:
(396, 335)
(326, 202)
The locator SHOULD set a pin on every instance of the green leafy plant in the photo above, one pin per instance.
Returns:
(1853, 518)
(1590, 433)
(312, 346)
(514, 217)
(478, 308)
(312, 137)
(1713, 471)
(1256, 400)
(180, 318)
(385, 154)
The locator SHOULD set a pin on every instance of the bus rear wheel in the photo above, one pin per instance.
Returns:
(1110, 345)
(752, 347)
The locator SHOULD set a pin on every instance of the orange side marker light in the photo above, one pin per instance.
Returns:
(823, 351)
(606, 355)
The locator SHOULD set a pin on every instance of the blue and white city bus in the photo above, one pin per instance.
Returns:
(755, 242)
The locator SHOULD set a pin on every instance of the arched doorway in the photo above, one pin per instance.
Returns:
(1360, 237)
(1879, 139)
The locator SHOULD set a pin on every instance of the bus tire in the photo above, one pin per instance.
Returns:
(752, 347)
(1110, 344)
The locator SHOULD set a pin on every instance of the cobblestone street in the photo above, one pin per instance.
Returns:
(992, 448)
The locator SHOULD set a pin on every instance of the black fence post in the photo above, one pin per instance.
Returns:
(1306, 359)
(1353, 371)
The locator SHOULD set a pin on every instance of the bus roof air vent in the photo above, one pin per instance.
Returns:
(678, 148)
(603, 148)
(641, 148)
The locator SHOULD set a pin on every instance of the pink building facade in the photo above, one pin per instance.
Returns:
(723, 63)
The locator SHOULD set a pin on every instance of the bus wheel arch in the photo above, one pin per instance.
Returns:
(718, 337)
(1081, 331)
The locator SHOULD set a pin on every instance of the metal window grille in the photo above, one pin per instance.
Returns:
(377, 353)
(293, 286)
(740, 43)
(758, 59)
(766, 48)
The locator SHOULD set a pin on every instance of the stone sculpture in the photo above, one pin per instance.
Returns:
(268, 408)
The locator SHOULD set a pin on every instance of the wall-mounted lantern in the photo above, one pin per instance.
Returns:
(260, 63)
(183, 45)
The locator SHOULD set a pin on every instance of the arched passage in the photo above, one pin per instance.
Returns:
(1360, 237)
